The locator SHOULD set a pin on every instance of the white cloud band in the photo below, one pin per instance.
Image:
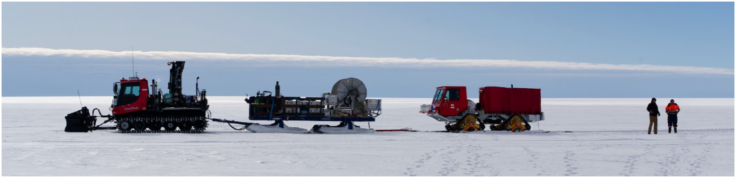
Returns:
(360, 61)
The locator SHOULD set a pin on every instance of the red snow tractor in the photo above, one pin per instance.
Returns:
(135, 110)
(503, 108)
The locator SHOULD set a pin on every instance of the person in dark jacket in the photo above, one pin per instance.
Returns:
(653, 113)
(672, 110)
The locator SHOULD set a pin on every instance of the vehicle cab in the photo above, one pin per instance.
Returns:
(130, 95)
(450, 100)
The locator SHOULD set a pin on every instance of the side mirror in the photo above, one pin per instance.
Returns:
(115, 88)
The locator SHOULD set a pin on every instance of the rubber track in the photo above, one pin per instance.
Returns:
(177, 120)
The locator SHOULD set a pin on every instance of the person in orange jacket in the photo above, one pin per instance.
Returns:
(672, 110)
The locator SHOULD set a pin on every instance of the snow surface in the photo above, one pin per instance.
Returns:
(608, 138)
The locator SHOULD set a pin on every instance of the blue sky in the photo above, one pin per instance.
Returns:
(672, 49)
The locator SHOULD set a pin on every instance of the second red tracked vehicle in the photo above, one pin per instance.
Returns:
(503, 108)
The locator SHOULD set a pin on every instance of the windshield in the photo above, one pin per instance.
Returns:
(438, 94)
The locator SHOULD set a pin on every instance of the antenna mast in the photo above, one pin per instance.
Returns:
(133, 59)
(80, 98)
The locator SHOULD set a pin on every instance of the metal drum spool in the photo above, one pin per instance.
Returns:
(349, 89)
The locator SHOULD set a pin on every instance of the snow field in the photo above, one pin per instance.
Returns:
(607, 138)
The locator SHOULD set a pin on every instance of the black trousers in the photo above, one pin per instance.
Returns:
(672, 120)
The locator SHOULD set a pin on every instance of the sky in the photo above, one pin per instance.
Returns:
(570, 50)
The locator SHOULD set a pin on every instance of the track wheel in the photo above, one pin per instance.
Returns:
(517, 123)
(170, 126)
(154, 126)
(125, 125)
(199, 125)
(139, 126)
(470, 123)
(185, 126)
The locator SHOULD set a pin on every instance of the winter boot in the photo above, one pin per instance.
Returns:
(675, 129)
(669, 130)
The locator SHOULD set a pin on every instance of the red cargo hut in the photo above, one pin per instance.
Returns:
(501, 100)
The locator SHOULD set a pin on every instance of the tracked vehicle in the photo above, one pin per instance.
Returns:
(502, 108)
(136, 107)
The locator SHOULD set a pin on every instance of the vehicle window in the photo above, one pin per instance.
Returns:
(129, 93)
(438, 95)
(117, 88)
(132, 90)
(136, 90)
(453, 94)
